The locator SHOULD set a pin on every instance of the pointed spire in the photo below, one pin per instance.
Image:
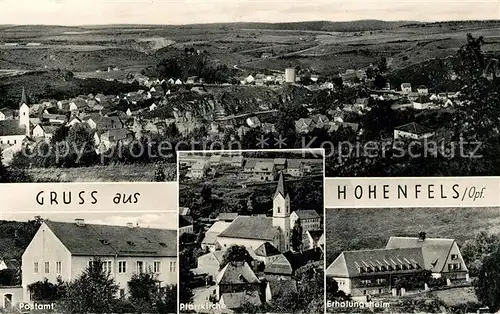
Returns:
(281, 188)
(23, 97)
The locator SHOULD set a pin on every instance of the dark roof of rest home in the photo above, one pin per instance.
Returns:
(105, 240)
(434, 250)
(414, 128)
(11, 127)
(362, 263)
(251, 227)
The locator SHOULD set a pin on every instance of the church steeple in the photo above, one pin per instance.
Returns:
(281, 188)
(24, 99)
(281, 213)
(24, 113)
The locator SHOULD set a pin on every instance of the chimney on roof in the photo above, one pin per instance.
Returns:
(421, 236)
(130, 225)
(79, 222)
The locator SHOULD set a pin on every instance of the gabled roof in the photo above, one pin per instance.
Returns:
(251, 227)
(251, 163)
(105, 240)
(434, 250)
(307, 213)
(304, 123)
(281, 187)
(266, 249)
(279, 161)
(220, 226)
(210, 238)
(264, 166)
(12, 264)
(117, 134)
(280, 266)
(183, 222)
(414, 128)
(49, 129)
(214, 231)
(227, 216)
(199, 165)
(11, 127)
(361, 101)
(236, 273)
(294, 163)
(361, 263)
(315, 235)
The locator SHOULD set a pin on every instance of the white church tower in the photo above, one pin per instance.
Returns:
(281, 213)
(24, 113)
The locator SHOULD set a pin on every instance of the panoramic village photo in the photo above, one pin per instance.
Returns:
(88, 263)
(413, 260)
(251, 232)
(114, 97)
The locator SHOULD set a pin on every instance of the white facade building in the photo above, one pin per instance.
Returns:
(62, 249)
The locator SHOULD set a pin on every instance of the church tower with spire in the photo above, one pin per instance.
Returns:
(281, 213)
(24, 113)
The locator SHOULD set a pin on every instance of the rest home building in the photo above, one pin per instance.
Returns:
(65, 250)
(373, 272)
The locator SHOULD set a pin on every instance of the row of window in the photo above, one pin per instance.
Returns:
(388, 268)
(378, 281)
(8, 142)
(107, 266)
(455, 266)
(47, 267)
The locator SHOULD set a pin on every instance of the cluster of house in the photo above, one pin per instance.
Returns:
(267, 240)
(253, 169)
(40, 122)
(421, 99)
(353, 77)
(63, 250)
(364, 273)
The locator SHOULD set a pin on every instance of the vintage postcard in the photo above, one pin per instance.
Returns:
(111, 90)
(89, 263)
(251, 234)
(409, 260)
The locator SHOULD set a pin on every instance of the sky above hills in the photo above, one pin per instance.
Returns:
(94, 12)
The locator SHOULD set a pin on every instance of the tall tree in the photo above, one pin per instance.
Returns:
(296, 236)
(487, 286)
(93, 292)
(236, 253)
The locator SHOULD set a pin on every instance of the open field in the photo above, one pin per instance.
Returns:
(321, 46)
(352, 229)
(119, 173)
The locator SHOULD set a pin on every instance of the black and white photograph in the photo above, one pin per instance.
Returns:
(413, 260)
(88, 262)
(110, 91)
(251, 232)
